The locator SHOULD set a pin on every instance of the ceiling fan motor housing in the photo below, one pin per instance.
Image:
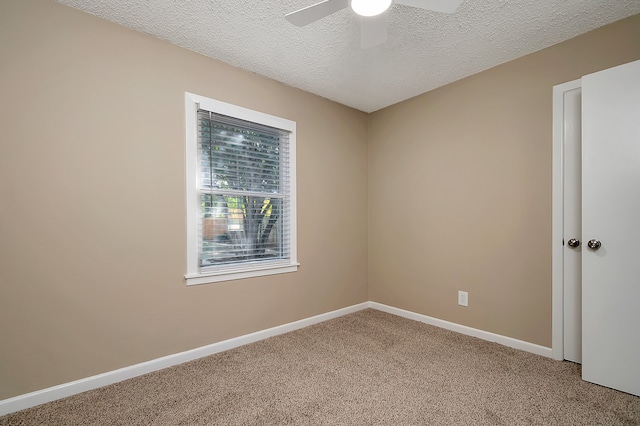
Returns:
(370, 7)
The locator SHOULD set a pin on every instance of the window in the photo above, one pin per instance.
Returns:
(241, 210)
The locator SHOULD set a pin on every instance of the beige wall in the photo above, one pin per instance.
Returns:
(92, 201)
(460, 189)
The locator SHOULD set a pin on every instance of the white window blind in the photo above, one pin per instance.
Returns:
(245, 192)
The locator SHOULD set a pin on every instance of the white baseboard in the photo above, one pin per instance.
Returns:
(463, 329)
(43, 396)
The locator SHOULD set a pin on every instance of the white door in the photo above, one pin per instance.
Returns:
(611, 216)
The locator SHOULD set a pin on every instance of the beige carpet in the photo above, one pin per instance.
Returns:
(367, 368)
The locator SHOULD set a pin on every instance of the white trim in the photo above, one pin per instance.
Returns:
(463, 329)
(64, 390)
(293, 188)
(43, 396)
(557, 221)
(191, 165)
(262, 270)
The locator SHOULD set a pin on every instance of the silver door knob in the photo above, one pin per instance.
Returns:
(574, 242)
(594, 244)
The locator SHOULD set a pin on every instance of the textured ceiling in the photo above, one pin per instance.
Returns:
(425, 50)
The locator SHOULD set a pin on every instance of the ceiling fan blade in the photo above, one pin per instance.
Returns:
(444, 6)
(373, 31)
(316, 11)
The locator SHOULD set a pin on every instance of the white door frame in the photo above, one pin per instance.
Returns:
(557, 221)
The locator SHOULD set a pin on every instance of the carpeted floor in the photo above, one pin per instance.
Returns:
(367, 368)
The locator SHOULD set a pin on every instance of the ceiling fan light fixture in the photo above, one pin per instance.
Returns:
(370, 7)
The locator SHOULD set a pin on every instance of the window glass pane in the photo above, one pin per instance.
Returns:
(238, 155)
(237, 228)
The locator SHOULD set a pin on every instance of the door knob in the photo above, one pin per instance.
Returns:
(574, 242)
(594, 244)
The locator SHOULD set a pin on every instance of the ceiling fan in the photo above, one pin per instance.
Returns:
(373, 24)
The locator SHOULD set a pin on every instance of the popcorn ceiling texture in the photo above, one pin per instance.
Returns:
(425, 49)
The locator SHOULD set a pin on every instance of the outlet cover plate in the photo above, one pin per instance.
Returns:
(463, 298)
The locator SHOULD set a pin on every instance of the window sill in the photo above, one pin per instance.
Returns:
(248, 272)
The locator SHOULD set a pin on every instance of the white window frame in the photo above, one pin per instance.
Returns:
(195, 275)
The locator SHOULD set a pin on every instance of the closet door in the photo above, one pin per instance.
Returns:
(611, 227)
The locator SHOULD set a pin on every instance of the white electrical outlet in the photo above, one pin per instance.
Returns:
(463, 298)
